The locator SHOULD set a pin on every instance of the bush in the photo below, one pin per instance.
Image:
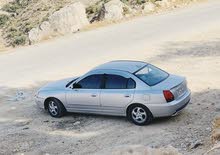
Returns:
(19, 40)
(11, 7)
(16, 37)
(3, 20)
(92, 9)
(139, 2)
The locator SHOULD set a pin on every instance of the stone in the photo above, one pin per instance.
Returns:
(196, 144)
(76, 123)
(114, 10)
(164, 3)
(67, 20)
(149, 7)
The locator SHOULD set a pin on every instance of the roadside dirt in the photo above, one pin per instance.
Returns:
(24, 128)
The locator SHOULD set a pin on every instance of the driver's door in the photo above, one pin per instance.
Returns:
(85, 94)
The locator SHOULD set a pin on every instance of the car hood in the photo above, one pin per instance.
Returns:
(170, 82)
(60, 84)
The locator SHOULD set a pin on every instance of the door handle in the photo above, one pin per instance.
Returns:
(127, 95)
(93, 95)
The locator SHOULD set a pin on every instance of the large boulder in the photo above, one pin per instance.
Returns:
(43, 32)
(115, 10)
(149, 7)
(67, 20)
(165, 3)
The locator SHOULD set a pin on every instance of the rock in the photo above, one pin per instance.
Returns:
(76, 123)
(164, 3)
(115, 10)
(196, 144)
(20, 95)
(67, 20)
(40, 33)
(26, 128)
(149, 7)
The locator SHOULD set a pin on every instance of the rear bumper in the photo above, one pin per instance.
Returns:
(172, 108)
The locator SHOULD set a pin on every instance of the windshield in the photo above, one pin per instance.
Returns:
(151, 75)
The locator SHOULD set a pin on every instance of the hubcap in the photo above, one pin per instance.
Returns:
(139, 115)
(53, 108)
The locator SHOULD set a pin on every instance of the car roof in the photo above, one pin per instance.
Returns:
(123, 65)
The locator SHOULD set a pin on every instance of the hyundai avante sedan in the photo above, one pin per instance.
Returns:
(137, 90)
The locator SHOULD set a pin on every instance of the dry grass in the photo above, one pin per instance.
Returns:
(216, 130)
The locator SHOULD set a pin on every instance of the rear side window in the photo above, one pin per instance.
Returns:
(131, 84)
(91, 82)
(151, 75)
(118, 82)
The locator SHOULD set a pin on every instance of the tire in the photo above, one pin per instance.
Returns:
(56, 108)
(139, 115)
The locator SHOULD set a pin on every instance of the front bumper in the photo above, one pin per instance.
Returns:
(172, 108)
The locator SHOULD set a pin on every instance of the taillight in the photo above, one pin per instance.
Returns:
(168, 95)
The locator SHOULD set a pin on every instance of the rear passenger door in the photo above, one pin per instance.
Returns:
(118, 91)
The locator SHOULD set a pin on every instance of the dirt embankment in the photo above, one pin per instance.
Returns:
(19, 18)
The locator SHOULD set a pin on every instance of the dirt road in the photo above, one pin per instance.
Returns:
(195, 54)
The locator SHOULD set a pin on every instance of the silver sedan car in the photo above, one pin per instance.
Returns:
(137, 90)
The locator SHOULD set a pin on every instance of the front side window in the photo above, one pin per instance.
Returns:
(90, 82)
(118, 82)
(151, 75)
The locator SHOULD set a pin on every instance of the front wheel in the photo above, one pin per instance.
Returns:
(139, 115)
(56, 108)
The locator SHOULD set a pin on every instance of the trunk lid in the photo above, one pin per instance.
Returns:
(176, 84)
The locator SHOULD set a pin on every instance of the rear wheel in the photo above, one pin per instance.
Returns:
(56, 108)
(139, 114)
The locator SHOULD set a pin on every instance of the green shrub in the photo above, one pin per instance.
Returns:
(139, 2)
(16, 37)
(11, 7)
(3, 20)
(92, 9)
(125, 10)
(19, 40)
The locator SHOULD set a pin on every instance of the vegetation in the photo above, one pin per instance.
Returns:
(25, 15)
(3, 20)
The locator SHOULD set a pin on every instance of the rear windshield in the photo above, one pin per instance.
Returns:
(151, 75)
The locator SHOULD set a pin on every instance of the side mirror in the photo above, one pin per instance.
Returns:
(76, 85)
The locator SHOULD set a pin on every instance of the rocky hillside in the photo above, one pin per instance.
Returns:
(25, 22)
